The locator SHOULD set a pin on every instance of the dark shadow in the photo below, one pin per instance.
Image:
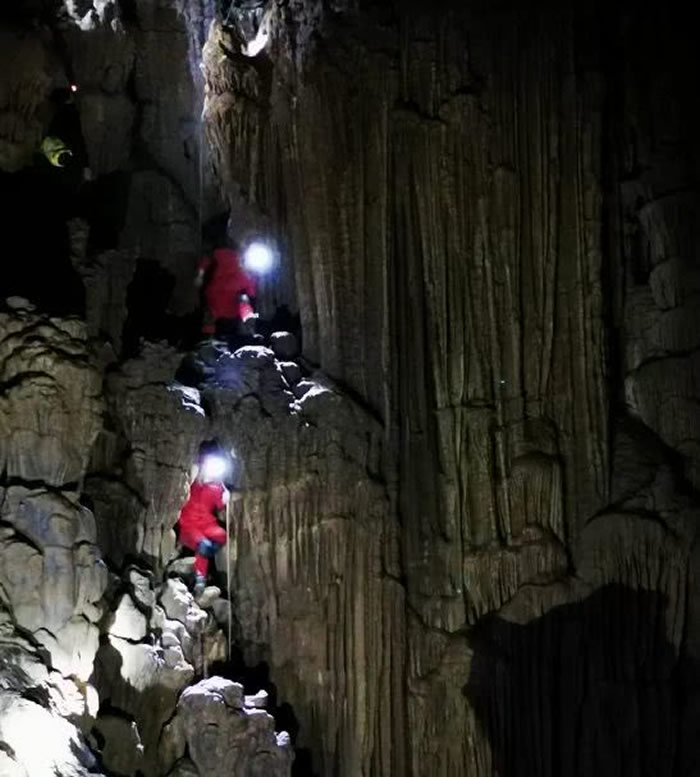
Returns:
(104, 204)
(214, 231)
(590, 688)
(147, 301)
(149, 707)
(36, 203)
(148, 318)
(283, 320)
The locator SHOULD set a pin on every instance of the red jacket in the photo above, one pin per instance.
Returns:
(200, 509)
(227, 280)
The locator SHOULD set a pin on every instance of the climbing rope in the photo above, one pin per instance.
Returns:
(200, 209)
(228, 569)
(203, 649)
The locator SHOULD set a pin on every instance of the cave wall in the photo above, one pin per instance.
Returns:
(491, 218)
(133, 236)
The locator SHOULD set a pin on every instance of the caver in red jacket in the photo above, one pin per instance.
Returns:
(199, 529)
(227, 280)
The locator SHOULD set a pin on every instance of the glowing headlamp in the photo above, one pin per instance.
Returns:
(214, 467)
(258, 258)
(74, 88)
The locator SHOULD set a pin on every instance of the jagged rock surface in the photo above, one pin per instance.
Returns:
(220, 729)
(313, 517)
(51, 402)
(51, 574)
(157, 640)
(50, 411)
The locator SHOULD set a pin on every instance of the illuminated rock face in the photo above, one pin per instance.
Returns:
(39, 743)
(221, 729)
(51, 572)
(313, 516)
(50, 413)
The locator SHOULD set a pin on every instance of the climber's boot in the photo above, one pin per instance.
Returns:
(200, 585)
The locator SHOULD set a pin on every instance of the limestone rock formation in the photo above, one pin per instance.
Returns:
(156, 641)
(50, 567)
(465, 533)
(313, 516)
(492, 231)
(220, 729)
(50, 385)
(39, 743)
(51, 574)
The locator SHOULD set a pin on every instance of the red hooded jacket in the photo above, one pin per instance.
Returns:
(227, 280)
(200, 509)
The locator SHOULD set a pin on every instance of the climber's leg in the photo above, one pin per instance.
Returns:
(213, 537)
(216, 534)
(207, 548)
(226, 330)
(248, 323)
(208, 320)
(196, 540)
(201, 560)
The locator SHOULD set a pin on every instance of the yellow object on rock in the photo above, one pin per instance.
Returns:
(56, 151)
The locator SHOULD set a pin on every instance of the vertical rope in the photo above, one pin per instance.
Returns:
(203, 648)
(200, 209)
(228, 569)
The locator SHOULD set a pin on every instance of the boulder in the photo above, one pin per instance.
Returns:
(284, 345)
(257, 356)
(291, 371)
(37, 743)
(19, 303)
(257, 700)
(182, 567)
(179, 605)
(142, 591)
(220, 729)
